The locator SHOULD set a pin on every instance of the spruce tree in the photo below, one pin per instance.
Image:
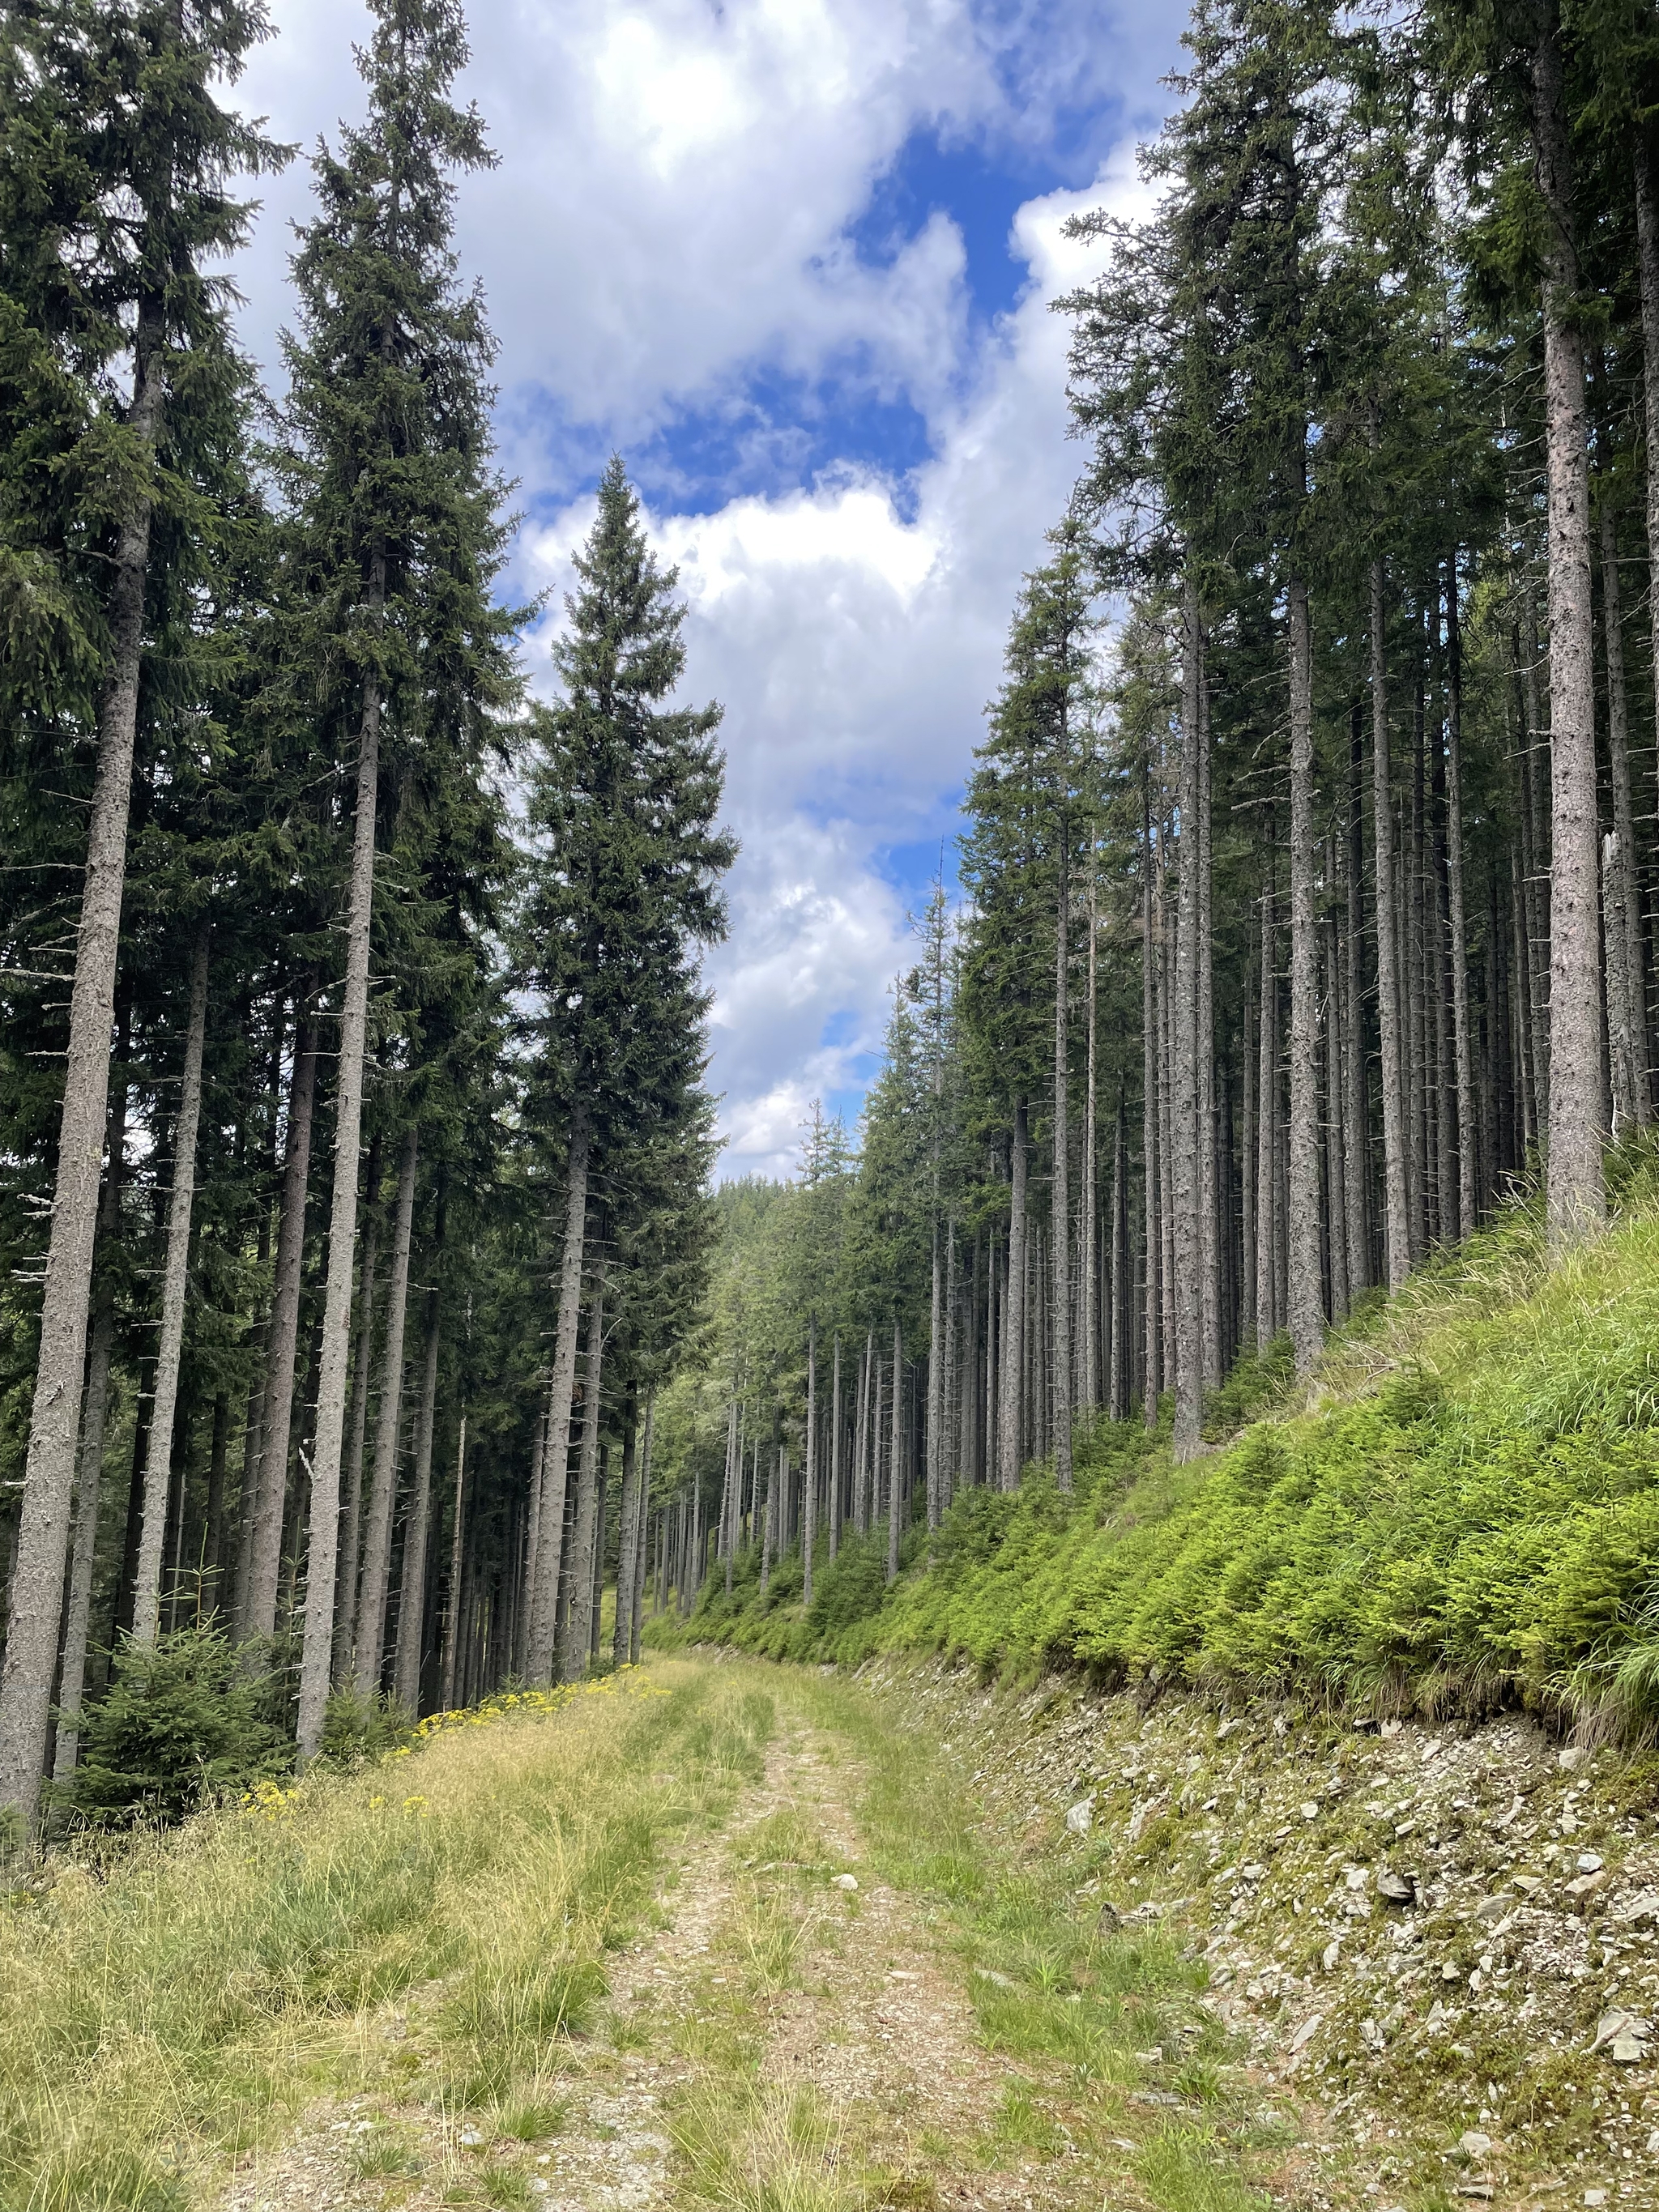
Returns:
(625, 888)
(102, 250)
(390, 466)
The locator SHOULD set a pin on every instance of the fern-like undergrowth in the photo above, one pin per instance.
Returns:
(1462, 1508)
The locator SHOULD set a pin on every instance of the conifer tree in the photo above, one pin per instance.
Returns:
(399, 543)
(108, 316)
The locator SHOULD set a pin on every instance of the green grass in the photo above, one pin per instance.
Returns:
(1463, 1510)
(174, 2002)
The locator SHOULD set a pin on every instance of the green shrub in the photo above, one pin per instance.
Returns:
(190, 1721)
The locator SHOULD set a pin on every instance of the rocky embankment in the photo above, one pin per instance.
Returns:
(1446, 1937)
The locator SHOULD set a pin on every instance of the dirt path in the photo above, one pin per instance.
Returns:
(784, 2016)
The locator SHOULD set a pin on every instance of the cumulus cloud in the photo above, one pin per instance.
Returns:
(672, 223)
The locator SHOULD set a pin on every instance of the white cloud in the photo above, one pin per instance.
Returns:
(670, 215)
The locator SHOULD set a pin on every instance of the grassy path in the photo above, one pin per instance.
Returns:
(723, 1936)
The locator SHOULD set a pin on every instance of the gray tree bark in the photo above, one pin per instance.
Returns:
(282, 1343)
(1575, 1198)
(810, 1497)
(322, 1555)
(1089, 1382)
(1395, 1224)
(894, 1467)
(622, 1640)
(556, 1465)
(345, 1600)
(1061, 1227)
(95, 1422)
(1010, 1396)
(1184, 1115)
(158, 1463)
(1647, 256)
(1357, 1117)
(1621, 905)
(579, 1632)
(1462, 1042)
(1152, 1379)
(383, 1487)
(1306, 1315)
(457, 1554)
(411, 1596)
(43, 1532)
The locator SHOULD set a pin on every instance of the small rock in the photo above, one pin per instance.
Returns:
(1528, 1884)
(1472, 2144)
(1653, 2143)
(1310, 1809)
(1305, 2034)
(1389, 1728)
(1226, 1730)
(1645, 1907)
(1432, 1750)
(1573, 1757)
(1589, 1862)
(1491, 1909)
(1394, 1888)
(470, 2138)
(1371, 2035)
(1622, 2036)
(1451, 1974)
(1478, 2189)
(1356, 1877)
(1586, 1884)
(844, 1881)
(1594, 2197)
(1332, 1956)
(990, 1974)
(1080, 1817)
(1252, 1872)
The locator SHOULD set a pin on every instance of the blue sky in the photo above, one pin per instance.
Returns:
(792, 259)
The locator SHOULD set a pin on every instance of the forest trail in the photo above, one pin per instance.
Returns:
(817, 2014)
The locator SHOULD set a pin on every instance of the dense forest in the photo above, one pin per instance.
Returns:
(369, 1311)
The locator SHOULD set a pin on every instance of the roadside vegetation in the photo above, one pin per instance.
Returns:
(1462, 1509)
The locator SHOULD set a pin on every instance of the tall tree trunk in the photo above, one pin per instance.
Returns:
(1153, 1382)
(1356, 1118)
(383, 1489)
(457, 1554)
(1647, 237)
(1467, 1194)
(1089, 1388)
(345, 1600)
(158, 1467)
(1396, 1224)
(895, 1471)
(1188, 1272)
(1209, 1213)
(1010, 1408)
(1304, 1231)
(95, 1422)
(1337, 1138)
(835, 1450)
(579, 1631)
(43, 1531)
(638, 1617)
(1061, 1229)
(533, 1538)
(1266, 1119)
(1250, 1261)
(283, 1343)
(317, 1652)
(1119, 1276)
(810, 1497)
(1621, 914)
(556, 1465)
(1575, 1199)
(627, 1538)
(411, 1596)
